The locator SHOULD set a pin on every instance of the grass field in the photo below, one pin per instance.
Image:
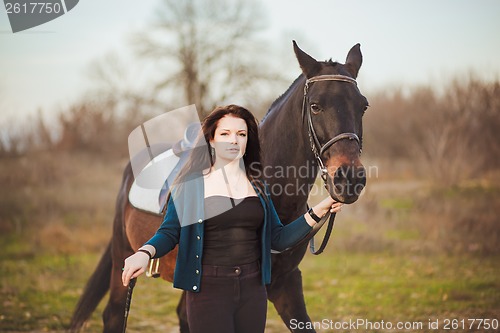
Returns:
(39, 291)
(406, 252)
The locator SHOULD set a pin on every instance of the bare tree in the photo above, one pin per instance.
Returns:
(210, 48)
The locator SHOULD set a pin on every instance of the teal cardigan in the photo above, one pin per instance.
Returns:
(184, 225)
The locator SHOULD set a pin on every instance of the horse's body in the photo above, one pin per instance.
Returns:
(338, 107)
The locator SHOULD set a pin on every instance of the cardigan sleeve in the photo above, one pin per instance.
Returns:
(285, 236)
(167, 235)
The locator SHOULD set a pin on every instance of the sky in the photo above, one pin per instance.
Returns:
(404, 43)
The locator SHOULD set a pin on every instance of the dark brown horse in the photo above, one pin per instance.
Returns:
(316, 125)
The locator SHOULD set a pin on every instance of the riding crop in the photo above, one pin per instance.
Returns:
(131, 286)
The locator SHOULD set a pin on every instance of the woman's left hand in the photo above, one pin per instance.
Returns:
(327, 204)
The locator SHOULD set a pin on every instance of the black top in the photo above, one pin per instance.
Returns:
(232, 230)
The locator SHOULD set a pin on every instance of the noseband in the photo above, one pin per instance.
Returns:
(316, 146)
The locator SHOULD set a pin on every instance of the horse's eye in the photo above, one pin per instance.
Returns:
(316, 108)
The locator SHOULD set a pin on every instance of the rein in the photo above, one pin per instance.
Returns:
(318, 150)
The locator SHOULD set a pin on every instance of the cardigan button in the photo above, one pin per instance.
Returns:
(200, 221)
(197, 256)
(195, 288)
(197, 272)
(198, 237)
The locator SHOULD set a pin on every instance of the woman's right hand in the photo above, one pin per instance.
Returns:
(134, 266)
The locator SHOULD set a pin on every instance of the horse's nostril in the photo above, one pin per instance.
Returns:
(349, 181)
(347, 173)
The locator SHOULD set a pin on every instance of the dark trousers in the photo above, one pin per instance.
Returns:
(231, 300)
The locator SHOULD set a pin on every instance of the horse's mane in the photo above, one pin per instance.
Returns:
(329, 62)
(278, 100)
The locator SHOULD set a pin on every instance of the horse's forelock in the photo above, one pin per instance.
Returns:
(330, 62)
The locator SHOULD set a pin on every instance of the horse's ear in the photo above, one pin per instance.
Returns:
(354, 60)
(308, 64)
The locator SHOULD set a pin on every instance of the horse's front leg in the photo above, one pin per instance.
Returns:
(287, 295)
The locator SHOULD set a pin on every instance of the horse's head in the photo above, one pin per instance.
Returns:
(333, 109)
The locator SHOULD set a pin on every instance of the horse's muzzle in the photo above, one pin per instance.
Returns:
(347, 183)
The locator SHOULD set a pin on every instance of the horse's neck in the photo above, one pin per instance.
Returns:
(288, 162)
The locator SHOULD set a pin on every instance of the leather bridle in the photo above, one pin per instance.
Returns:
(318, 149)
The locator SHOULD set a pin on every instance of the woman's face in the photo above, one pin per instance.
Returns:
(230, 138)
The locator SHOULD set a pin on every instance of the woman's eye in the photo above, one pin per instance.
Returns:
(316, 108)
(243, 134)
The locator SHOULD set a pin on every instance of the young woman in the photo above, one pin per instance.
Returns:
(224, 222)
